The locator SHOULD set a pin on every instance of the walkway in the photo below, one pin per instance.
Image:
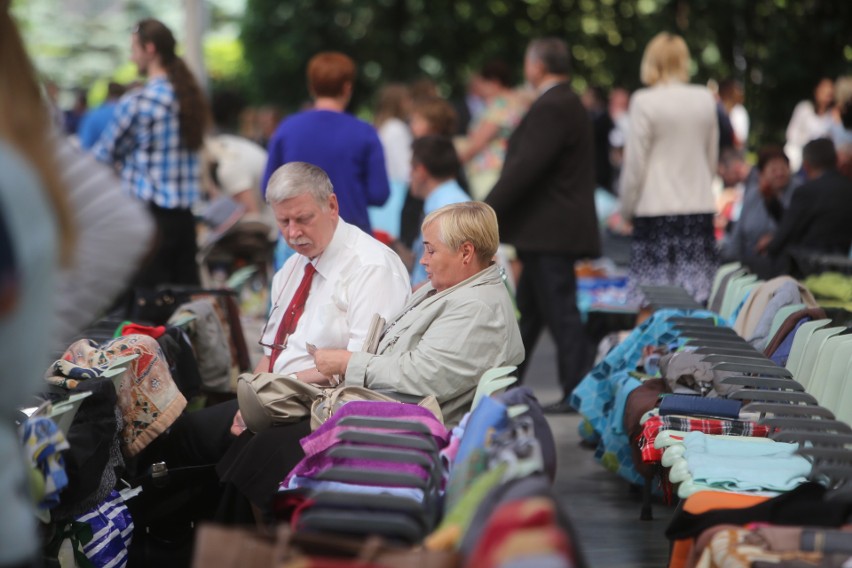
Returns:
(604, 510)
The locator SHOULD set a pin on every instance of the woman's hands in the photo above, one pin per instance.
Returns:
(331, 362)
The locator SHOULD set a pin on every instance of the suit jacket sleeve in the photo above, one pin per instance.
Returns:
(438, 364)
(532, 151)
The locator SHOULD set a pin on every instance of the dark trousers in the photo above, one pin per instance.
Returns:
(172, 261)
(547, 296)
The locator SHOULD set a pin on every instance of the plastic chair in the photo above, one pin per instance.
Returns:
(734, 294)
(745, 291)
(844, 405)
(822, 381)
(836, 388)
(493, 381)
(780, 316)
(722, 271)
(813, 348)
(797, 350)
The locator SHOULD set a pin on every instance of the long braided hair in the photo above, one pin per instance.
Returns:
(194, 113)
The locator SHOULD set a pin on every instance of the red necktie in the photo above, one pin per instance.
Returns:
(294, 311)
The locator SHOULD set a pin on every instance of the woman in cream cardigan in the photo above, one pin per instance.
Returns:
(670, 161)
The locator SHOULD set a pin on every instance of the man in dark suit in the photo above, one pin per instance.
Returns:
(818, 218)
(545, 204)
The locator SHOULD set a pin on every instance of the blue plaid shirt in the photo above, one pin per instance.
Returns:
(144, 139)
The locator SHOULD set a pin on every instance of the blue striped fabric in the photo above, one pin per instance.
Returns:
(112, 530)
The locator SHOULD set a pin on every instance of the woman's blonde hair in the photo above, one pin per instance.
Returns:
(666, 58)
(472, 222)
(25, 123)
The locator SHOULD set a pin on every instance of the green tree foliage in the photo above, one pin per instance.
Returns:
(777, 48)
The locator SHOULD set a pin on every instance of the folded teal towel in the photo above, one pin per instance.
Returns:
(744, 466)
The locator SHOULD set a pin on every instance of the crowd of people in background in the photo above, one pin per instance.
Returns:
(674, 168)
(693, 185)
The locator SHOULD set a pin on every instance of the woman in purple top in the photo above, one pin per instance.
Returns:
(348, 149)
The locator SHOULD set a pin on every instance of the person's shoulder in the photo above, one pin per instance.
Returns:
(805, 192)
(394, 127)
(293, 121)
(487, 300)
(447, 193)
(487, 289)
(155, 94)
(361, 127)
(130, 99)
(804, 106)
(240, 147)
(839, 182)
(558, 93)
(366, 250)
(560, 99)
(701, 92)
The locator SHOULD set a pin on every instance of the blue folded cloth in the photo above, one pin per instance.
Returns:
(691, 405)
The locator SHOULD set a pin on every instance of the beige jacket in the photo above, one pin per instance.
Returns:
(671, 152)
(441, 345)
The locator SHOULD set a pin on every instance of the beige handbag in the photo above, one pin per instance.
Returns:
(267, 399)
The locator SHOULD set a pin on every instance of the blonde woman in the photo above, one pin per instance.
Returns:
(670, 160)
(419, 353)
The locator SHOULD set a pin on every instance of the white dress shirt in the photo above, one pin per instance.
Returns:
(356, 277)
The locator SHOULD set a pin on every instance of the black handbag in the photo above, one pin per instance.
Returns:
(154, 306)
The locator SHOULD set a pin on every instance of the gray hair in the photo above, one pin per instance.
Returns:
(552, 52)
(297, 178)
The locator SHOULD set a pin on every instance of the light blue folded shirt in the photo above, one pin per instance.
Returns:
(740, 465)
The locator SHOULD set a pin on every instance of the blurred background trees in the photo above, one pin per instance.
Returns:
(778, 49)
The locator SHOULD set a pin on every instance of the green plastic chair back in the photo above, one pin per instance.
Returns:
(492, 381)
(723, 271)
(821, 375)
(837, 372)
(812, 352)
(844, 404)
(780, 317)
(800, 340)
(734, 295)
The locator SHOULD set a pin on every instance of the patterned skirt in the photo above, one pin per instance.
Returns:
(675, 250)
